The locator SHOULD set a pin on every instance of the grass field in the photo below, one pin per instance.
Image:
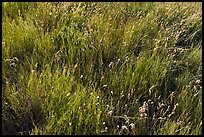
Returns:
(102, 68)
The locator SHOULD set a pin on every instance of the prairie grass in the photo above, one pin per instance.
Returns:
(94, 68)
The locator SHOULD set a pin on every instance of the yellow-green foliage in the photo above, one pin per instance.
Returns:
(101, 68)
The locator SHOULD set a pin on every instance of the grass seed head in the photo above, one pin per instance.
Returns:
(110, 113)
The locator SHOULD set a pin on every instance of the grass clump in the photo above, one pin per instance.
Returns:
(101, 68)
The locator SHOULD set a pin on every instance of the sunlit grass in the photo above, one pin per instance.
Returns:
(102, 68)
